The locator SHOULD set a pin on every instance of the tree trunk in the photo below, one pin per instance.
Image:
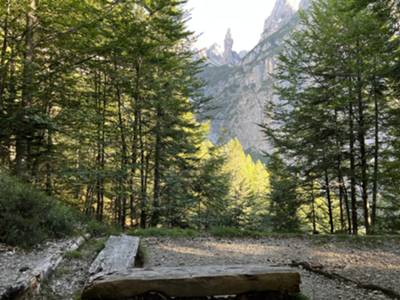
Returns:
(363, 153)
(157, 171)
(124, 159)
(49, 170)
(329, 199)
(339, 171)
(3, 67)
(346, 202)
(354, 215)
(376, 159)
(22, 144)
(135, 142)
(313, 214)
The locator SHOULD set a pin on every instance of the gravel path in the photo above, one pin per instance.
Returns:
(380, 266)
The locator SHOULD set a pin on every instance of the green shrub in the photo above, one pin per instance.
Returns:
(28, 216)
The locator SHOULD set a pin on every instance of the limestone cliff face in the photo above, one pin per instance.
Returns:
(241, 90)
(283, 10)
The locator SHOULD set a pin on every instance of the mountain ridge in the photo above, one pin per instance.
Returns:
(240, 91)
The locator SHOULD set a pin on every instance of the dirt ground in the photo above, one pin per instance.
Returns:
(371, 263)
(363, 263)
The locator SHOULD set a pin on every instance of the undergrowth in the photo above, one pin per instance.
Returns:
(243, 233)
(28, 216)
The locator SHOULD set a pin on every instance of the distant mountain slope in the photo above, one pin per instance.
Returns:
(241, 90)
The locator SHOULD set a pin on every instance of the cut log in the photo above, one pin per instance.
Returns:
(193, 282)
(29, 282)
(118, 255)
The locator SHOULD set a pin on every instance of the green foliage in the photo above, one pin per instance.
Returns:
(28, 216)
(76, 254)
(334, 123)
(143, 256)
(284, 198)
(249, 185)
(98, 229)
(101, 110)
(299, 297)
(94, 245)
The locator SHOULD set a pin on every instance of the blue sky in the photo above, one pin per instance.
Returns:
(212, 18)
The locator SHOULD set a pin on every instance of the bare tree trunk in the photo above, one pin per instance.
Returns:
(347, 206)
(376, 159)
(3, 67)
(339, 171)
(354, 215)
(135, 143)
(363, 153)
(329, 200)
(49, 170)
(124, 159)
(313, 214)
(22, 143)
(101, 108)
(157, 171)
(143, 191)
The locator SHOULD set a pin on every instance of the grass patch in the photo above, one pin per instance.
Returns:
(76, 254)
(233, 232)
(243, 233)
(142, 256)
(99, 229)
(359, 240)
(164, 232)
(93, 246)
(220, 232)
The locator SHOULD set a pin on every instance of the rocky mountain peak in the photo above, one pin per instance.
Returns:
(228, 45)
(281, 14)
(226, 56)
(230, 57)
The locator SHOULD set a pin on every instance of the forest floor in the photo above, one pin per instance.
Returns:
(366, 262)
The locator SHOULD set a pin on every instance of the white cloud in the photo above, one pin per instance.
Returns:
(212, 18)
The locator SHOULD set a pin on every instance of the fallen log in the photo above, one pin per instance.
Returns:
(118, 255)
(30, 281)
(193, 282)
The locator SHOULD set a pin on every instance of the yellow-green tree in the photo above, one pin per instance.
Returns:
(249, 186)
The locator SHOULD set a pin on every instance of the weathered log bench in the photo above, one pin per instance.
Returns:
(113, 277)
(193, 282)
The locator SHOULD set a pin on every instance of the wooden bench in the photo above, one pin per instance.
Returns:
(114, 277)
